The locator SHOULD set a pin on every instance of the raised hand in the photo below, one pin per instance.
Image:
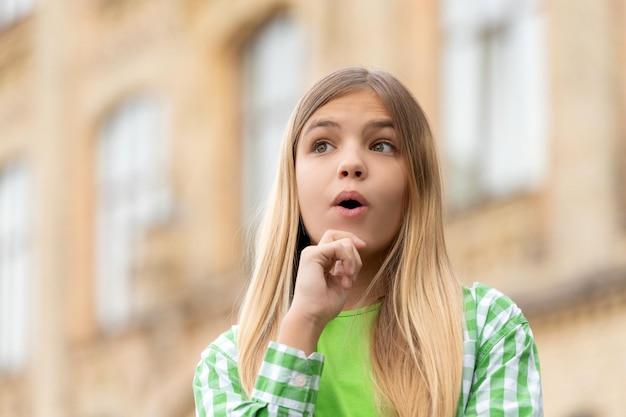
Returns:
(324, 278)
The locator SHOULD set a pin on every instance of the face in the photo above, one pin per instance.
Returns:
(350, 174)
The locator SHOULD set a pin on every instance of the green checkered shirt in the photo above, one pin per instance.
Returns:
(500, 369)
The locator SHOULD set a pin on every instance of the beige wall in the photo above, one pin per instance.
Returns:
(579, 347)
(65, 67)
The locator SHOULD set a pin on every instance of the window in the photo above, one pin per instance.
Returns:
(494, 98)
(12, 10)
(274, 71)
(15, 261)
(133, 195)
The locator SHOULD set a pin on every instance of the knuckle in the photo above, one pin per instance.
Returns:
(347, 242)
(306, 252)
(330, 233)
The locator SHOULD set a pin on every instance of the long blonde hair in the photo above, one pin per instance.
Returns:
(417, 339)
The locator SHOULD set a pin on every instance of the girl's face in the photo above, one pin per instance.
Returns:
(350, 174)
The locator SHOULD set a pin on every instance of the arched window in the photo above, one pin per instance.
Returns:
(15, 262)
(274, 75)
(494, 116)
(132, 195)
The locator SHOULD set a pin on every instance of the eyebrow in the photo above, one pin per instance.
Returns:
(321, 123)
(379, 124)
(373, 125)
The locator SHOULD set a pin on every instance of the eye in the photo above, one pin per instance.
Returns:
(383, 147)
(322, 147)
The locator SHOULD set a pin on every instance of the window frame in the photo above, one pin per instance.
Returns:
(279, 40)
(15, 259)
(494, 100)
(12, 11)
(131, 197)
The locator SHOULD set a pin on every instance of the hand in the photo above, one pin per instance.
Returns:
(326, 274)
(324, 278)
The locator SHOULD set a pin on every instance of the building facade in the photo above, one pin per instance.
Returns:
(137, 140)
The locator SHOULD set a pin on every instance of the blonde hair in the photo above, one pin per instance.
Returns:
(417, 339)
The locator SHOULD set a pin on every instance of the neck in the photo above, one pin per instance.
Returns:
(356, 299)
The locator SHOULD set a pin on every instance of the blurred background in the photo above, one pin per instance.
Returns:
(139, 137)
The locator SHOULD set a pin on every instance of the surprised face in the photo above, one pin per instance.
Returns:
(350, 174)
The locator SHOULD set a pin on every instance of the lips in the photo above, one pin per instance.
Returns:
(349, 198)
(350, 203)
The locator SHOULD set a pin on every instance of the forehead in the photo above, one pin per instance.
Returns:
(360, 102)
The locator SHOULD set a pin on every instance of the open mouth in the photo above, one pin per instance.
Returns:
(350, 204)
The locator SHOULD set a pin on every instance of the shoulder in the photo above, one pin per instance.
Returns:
(485, 294)
(489, 304)
(500, 362)
(225, 345)
(489, 313)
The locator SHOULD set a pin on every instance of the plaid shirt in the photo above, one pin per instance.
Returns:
(500, 369)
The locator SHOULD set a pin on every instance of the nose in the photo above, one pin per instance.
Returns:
(352, 165)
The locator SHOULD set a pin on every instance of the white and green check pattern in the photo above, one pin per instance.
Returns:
(500, 370)
(287, 384)
(501, 365)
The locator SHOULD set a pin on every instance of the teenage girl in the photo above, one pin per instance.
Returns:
(353, 308)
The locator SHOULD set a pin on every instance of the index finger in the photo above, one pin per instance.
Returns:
(332, 235)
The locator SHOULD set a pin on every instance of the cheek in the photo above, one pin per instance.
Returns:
(397, 184)
(305, 190)
(398, 209)
(399, 198)
(310, 193)
(311, 180)
(302, 187)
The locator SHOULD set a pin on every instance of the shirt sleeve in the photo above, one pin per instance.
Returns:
(287, 384)
(506, 378)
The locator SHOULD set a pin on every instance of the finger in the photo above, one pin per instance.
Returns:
(332, 235)
(349, 264)
(340, 250)
(351, 269)
(358, 263)
(345, 280)
(346, 283)
(337, 269)
(353, 264)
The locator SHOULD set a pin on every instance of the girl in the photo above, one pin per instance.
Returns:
(353, 308)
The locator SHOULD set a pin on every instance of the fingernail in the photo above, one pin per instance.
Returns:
(338, 269)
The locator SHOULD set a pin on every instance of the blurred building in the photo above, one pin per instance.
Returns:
(137, 139)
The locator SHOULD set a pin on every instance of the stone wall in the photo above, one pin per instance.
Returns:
(64, 67)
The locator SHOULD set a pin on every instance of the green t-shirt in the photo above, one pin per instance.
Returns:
(500, 368)
(346, 385)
